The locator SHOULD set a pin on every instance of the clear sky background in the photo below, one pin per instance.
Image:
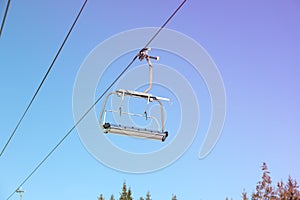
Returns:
(255, 45)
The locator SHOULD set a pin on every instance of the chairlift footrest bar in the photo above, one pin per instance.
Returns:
(135, 132)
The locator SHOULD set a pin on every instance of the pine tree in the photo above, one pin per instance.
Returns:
(174, 197)
(101, 197)
(128, 196)
(288, 191)
(112, 197)
(148, 196)
(264, 189)
(124, 192)
(244, 196)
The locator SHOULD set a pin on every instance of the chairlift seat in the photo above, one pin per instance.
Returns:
(135, 132)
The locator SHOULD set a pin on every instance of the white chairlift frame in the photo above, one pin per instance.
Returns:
(159, 134)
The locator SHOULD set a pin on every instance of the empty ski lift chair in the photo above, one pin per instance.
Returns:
(159, 133)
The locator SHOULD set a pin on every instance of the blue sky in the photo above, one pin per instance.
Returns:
(255, 45)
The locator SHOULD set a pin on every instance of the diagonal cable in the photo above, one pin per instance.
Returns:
(43, 80)
(4, 17)
(92, 106)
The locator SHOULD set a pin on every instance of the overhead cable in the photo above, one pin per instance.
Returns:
(43, 80)
(94, 104)
(4, 17)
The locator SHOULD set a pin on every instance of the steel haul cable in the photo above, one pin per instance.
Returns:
(92, 106)
(44, 78)
(4, 17)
